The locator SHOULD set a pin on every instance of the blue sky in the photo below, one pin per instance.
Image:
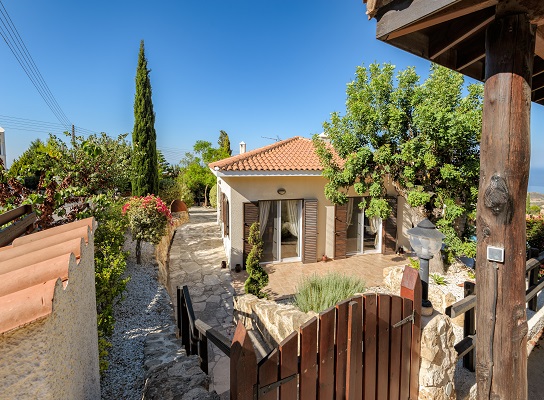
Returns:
(252, 68)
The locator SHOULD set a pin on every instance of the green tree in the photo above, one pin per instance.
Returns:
(224, 142)
(257, 276)
(144, 137)
(195, 173)
(422, 137)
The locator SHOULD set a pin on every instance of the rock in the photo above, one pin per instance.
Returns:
(392, 277)
(440, 300)
(438, 358)
(179, 379)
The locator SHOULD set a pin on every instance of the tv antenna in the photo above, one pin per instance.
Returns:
(276, 139)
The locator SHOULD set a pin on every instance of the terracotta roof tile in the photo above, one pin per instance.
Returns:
(31, 267)
(294, 154)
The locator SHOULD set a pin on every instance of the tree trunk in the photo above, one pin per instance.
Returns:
(206, 196)
(501, 354)
(138, 251)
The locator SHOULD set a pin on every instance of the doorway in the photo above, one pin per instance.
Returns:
(364, 233)
(281, 226)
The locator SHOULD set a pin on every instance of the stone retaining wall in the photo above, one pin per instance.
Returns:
(274, 321)
(163, 248)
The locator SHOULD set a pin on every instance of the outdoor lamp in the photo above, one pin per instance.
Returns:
(426, 240)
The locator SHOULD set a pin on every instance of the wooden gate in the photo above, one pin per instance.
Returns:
(366, 347)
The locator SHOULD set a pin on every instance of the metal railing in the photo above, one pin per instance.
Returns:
(195, 333)
(465, 348)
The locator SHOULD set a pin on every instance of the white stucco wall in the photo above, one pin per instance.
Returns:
(57, 356)
(243, 189)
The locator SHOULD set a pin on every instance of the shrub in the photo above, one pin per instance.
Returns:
(186, 195)
(535, 233)
(169, 190)
(317, 293)
(110, 264)
(213, 196)
(258, 278)
(147, 220)
(439, 279)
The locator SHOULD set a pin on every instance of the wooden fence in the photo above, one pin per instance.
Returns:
(466, 347)
(366, 347)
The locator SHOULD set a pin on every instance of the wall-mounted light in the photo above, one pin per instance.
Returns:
(281, 191)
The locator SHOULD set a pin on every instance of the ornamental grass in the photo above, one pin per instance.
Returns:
(317, 293)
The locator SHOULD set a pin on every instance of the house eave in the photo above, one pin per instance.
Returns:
(227, 174)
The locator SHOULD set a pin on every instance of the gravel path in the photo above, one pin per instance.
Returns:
(145, 308)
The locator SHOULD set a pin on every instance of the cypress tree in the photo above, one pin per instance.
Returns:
(224, 143)
(144, 158)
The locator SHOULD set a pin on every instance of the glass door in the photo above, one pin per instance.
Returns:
(364, 234)
(281, 229)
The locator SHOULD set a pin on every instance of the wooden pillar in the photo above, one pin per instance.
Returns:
(501, 326)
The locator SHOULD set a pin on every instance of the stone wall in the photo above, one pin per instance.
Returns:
(56, 357)
(163, 248)
(274, 321)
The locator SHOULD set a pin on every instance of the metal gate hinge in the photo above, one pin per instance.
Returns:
(405, 320)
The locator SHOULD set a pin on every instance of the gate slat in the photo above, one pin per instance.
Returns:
(369, 346)
(354, 360)
(405, 351)
(308, 360)
(243, 365)
(268, 373)
(384, 324)
(396, 336)
(289, 366)
(341, 348)
(327, 324)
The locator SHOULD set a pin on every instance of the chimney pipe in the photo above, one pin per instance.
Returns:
(242, 147)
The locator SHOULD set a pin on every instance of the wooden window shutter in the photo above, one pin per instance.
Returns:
(309, 233)
(389, 242)
(340, 230)
(251, 215)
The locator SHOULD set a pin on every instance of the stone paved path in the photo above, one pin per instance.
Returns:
(195, 261)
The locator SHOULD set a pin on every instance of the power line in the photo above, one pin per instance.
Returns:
(11, 36)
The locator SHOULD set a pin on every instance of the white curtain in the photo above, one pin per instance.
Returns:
(374, 226)
(292, 213)
(350, 211)
(264, 210)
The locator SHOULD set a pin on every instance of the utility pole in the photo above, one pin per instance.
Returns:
(73, 142)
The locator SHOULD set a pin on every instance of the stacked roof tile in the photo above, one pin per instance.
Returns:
(294, 154)
(30, 268)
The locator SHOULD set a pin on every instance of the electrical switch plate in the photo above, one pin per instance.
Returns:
(495, 254)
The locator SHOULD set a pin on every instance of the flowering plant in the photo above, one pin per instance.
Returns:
(147, 218)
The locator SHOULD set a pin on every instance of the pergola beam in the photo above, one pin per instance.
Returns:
(411, 16)
(473, 51)
(459, 31)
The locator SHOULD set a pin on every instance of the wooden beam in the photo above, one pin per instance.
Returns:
(538, 66)
(501, 342)
(473, 51)
(539, 44)
(537, 95)
(421, 14)
(538, 82)
(458, 31)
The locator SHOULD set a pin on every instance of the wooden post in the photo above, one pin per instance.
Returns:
(501, 325)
